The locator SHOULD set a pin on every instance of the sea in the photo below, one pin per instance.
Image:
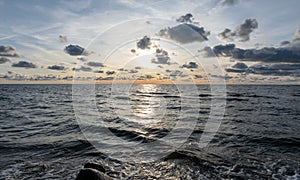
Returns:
(43, 135)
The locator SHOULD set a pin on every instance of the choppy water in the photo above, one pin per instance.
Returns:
(258, 139)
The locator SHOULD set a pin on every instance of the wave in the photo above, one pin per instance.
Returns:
(291, 141)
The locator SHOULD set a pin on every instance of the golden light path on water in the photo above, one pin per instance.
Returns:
(145, 107)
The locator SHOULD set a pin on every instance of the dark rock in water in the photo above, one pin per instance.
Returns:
(91, 174)
(95, 166)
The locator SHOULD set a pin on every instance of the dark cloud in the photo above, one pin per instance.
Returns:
(240, 66)
(235, 70)
(63, 39)
(185, 33)
(99, 71)
(6, 48)
(75, 50)
(197, 76)
(188, 18)
(95, 64)
(122, 69)
(8, 51)
(277, 69)
(190, 65)
(161, 57)
(138, 67)
(24, 64)
(224, 50)
(149, 76)
(56, 67)
(4, 60)
(133, 50)
(83, 68)
(229, 2)
(110, 72)
(144, 43)
(105, 78)
(242, 32)
(266, 54)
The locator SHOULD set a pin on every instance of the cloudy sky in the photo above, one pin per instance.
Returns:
(241, 41)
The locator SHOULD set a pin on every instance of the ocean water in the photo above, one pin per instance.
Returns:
(258, 137)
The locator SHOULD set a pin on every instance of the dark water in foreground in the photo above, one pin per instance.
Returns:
(258, 139)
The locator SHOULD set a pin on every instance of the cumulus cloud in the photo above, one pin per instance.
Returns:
(188, 18)
(186, 32)
(63, 39)
(144, 43)
(83, 68)
(145, 77)
(133, 71)
(297, 35)
(190, 65)
(8, 51)
(266, 54)
(295, 43)
(4, 60)
(242, 32)
(224, 50)
(95, 64)
(175, 73)
(75, 50)
(161, 57)
(24, 64)
(56, 67)
(207, 52)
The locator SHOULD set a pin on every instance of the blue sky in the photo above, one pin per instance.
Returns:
(39, 31)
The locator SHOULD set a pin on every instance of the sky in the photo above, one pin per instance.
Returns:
(158, 41)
